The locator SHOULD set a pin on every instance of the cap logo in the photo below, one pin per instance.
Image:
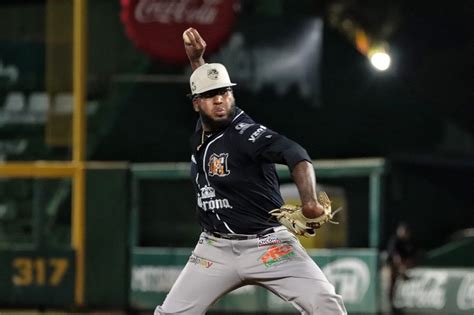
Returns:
(213, 74)
(209, 77)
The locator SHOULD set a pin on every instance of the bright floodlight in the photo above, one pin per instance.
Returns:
(380, 60)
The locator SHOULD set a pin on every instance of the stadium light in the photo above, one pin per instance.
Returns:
(375, 51)
(380, 60)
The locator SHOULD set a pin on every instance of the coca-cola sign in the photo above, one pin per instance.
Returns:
(423, 290)
(436, 291)
(465, 296)
(155, 26)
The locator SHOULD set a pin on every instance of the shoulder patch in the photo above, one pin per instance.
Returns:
(241, 127)
(257, 133)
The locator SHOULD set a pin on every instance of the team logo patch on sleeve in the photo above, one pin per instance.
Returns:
(218, 165)
(241, 127)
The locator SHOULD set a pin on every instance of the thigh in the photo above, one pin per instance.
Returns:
(208, 275)
(309, 296)
(286, 269)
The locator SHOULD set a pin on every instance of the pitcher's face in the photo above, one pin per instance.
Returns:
(216, 107)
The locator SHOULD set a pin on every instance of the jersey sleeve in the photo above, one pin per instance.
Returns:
(265, 144)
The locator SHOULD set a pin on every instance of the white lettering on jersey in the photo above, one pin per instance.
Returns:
(208, 192)
(214, 204)
(257, 133)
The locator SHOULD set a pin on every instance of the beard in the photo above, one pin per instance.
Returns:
(215, 125)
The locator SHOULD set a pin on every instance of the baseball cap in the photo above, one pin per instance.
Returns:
(209, 76)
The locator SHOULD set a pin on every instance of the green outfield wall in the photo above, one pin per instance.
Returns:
(106, 235)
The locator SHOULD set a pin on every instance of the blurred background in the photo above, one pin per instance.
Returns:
(378, 92)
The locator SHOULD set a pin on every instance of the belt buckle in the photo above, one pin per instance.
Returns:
(240, 237)
(237, 237)
(265, 232)
(219, 235)
(225, 236)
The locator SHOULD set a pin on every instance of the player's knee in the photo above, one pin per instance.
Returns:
(182, 310)
(325, 301)
(160, 311)
(322, 306)
(333, 304)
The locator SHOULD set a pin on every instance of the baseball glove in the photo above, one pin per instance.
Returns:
(293, 218)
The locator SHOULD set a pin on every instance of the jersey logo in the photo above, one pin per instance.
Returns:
(207, 192)
(218, 165)
(241, 127)
(257, 133)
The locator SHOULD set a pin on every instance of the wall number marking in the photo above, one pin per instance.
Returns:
(39, 271)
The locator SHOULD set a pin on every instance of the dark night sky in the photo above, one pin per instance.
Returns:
(431, 73)
(435, 43)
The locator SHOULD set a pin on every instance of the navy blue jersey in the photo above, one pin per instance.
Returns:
(234, 175)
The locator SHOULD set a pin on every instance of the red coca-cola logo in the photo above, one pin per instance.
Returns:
(156, 26)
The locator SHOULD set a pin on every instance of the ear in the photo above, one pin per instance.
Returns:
(196, 105)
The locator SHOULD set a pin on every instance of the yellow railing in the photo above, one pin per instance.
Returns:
(79, 140)
(69, 169)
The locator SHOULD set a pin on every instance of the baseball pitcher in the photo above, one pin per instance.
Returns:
(248, 235)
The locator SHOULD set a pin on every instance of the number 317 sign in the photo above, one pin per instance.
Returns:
(37, 277)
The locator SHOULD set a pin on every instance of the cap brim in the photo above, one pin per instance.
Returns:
(215, 87)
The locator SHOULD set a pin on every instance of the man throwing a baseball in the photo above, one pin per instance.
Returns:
(248, 236)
